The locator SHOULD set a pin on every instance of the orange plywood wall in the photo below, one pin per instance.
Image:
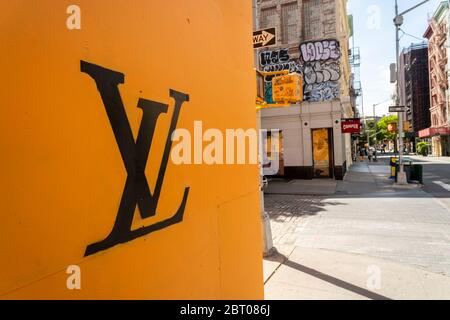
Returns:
(87, 93)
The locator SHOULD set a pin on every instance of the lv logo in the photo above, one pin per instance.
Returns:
(135, 155)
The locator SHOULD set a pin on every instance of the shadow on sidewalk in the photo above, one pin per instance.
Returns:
(278, 257)
(281, 206)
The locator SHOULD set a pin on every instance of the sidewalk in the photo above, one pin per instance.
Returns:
(366, 240)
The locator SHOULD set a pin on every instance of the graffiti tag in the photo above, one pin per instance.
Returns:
(326, 91)
(291, 66)
(273, 57)
(320, 72)
(320, 50)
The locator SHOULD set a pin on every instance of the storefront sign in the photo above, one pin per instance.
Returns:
(430, 132)
(351, 125)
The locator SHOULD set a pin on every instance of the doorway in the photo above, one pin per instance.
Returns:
(322, 153)
(273, 153)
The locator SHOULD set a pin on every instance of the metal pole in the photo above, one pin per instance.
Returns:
(364, 116)
(375, 127)
(268, 248)
(398, 22)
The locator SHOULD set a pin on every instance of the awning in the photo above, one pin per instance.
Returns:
(431, 132)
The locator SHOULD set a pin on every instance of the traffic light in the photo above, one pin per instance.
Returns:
(283, 90)
(287, 88)
(407, 126)
(260, 88)
(392, 127)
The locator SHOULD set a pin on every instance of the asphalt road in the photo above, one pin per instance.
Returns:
(436, 173)
(330, 241)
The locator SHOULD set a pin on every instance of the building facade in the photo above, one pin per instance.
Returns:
(415, 90)
(312, 39)
(438, 50)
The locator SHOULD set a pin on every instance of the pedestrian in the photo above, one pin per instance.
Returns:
(361, 154)
(370, 154)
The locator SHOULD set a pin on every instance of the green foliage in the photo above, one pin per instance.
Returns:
(422, 148)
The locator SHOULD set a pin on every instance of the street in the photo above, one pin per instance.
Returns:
(367, 226)
(436, 177)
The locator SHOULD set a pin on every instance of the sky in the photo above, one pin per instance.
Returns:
(374, 34)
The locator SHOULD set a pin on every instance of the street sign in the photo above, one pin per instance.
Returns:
(397, 109)
(264, 38)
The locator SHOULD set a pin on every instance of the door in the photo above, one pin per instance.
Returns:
(322, 153)
(273, 155)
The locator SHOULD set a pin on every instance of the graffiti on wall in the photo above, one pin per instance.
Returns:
(321, 70)
(273, 57)
(291, 66)
(320, 50)
(276, 60)
(321, 92)
(319, 64)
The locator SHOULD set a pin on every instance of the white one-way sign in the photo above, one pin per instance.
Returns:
(264, 38)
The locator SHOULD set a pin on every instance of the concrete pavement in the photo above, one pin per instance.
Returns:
(368, 240)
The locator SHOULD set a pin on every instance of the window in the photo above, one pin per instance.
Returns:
(312, 28)
(289, 20)
(268, 16)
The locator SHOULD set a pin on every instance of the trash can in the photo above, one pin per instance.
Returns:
(414, 172)
(417, 173)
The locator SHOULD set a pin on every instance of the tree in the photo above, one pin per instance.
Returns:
(422, 148)
(382, 129)
(368, 129)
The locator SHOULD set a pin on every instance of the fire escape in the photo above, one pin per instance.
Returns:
(438, 75)
(355, 89)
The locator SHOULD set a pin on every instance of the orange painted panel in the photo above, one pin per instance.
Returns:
(81, 110)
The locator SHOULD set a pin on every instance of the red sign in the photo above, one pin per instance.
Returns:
(351, 125)
(431, 132)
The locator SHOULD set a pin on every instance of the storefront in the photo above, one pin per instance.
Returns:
(440, 140)
(312, 144)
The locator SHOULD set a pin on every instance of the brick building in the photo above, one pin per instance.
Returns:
(415, 89)
(438, 47)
